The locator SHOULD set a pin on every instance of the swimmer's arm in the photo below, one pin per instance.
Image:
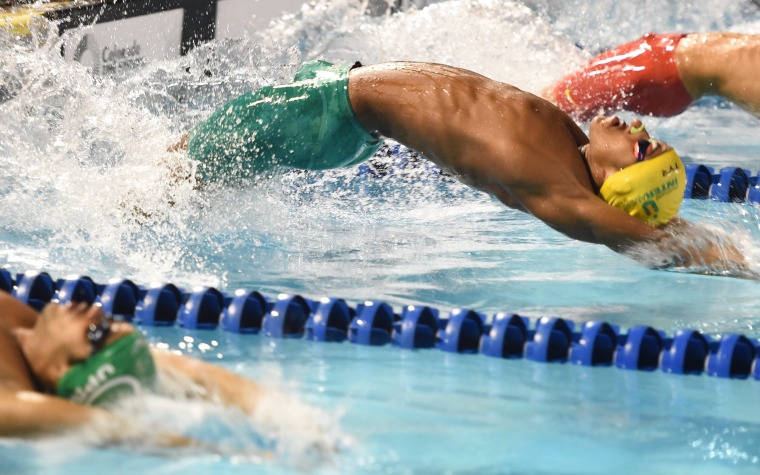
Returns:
(218, 383)
(583, 216)
(579, 214)
(28, 413)
(705, 251)
(31, 414)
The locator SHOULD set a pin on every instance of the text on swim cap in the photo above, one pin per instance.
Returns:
(95, 380)
(653, 194)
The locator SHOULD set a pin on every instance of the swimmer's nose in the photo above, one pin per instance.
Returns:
(637, 127)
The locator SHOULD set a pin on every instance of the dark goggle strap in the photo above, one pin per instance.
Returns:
(97, 334)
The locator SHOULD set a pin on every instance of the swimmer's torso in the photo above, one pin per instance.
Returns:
(507, 142)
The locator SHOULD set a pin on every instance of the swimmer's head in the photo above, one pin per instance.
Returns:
(639, 175)
(115, 370)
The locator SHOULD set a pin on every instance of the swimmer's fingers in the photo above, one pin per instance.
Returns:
(72, 309)
(94, 313)
(83, 310)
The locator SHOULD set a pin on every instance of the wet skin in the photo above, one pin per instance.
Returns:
(36, 350)
(506, 142)
(527, 153)
(52, 342)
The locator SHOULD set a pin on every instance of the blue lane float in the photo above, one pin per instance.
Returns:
(330, 320)
(287, 317)
(596, 345)
(506, 336)
(244, 313)
(728, 185)
(158, 306)
(119, 298)
(373, 323)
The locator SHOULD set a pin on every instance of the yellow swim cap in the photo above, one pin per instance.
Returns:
(651, 190)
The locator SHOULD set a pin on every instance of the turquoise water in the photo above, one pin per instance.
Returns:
(81, 192)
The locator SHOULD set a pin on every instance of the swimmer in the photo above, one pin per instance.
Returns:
(618, 186)
(662, 74)
(62, 368)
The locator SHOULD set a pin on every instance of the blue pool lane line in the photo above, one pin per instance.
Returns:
(506, 335)
(730, 184)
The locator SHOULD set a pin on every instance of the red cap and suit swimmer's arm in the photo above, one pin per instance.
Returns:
(641, 76)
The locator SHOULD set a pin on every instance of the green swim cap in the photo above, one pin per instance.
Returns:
(651, 190)
(123, 368)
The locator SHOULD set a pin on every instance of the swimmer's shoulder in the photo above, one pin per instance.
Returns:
(14, 313)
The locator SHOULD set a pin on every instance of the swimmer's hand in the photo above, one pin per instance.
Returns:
(180, 146)
(698, 250)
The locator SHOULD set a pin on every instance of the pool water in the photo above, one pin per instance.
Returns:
(83, 191)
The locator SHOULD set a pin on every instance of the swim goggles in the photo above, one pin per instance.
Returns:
(97, 334)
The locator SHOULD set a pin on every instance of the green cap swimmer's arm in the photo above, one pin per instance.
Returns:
(30, 414)
(218, 384)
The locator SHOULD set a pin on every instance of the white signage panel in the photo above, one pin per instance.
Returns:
(125, 44)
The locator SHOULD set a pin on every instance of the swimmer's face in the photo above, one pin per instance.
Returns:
(65, 329)
(614, 145)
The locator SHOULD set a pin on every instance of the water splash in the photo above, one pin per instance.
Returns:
(512, 44)
(89, 159)
(597, 26)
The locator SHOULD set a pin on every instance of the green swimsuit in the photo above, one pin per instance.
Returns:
(307, 124)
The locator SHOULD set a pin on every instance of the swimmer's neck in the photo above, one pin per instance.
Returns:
(596, 174)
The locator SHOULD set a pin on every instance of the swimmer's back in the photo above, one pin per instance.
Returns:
(456, 117)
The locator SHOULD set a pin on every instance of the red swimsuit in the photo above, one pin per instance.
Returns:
(640, 76)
